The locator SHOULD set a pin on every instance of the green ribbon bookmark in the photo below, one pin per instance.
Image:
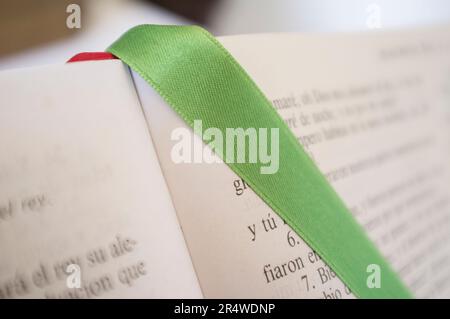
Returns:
(200, 80)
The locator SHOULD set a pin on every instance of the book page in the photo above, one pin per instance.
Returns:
(372, 111)
(84, 208)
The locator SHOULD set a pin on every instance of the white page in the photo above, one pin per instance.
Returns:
(384, 150)
(80, 184)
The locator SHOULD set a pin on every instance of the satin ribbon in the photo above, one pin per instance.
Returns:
(200, 80)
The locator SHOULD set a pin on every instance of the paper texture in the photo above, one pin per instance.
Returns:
(372, 111)
(80, 185)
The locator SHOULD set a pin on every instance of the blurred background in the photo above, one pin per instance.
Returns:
(37, 32)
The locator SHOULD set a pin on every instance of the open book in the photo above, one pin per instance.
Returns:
(93, 204)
